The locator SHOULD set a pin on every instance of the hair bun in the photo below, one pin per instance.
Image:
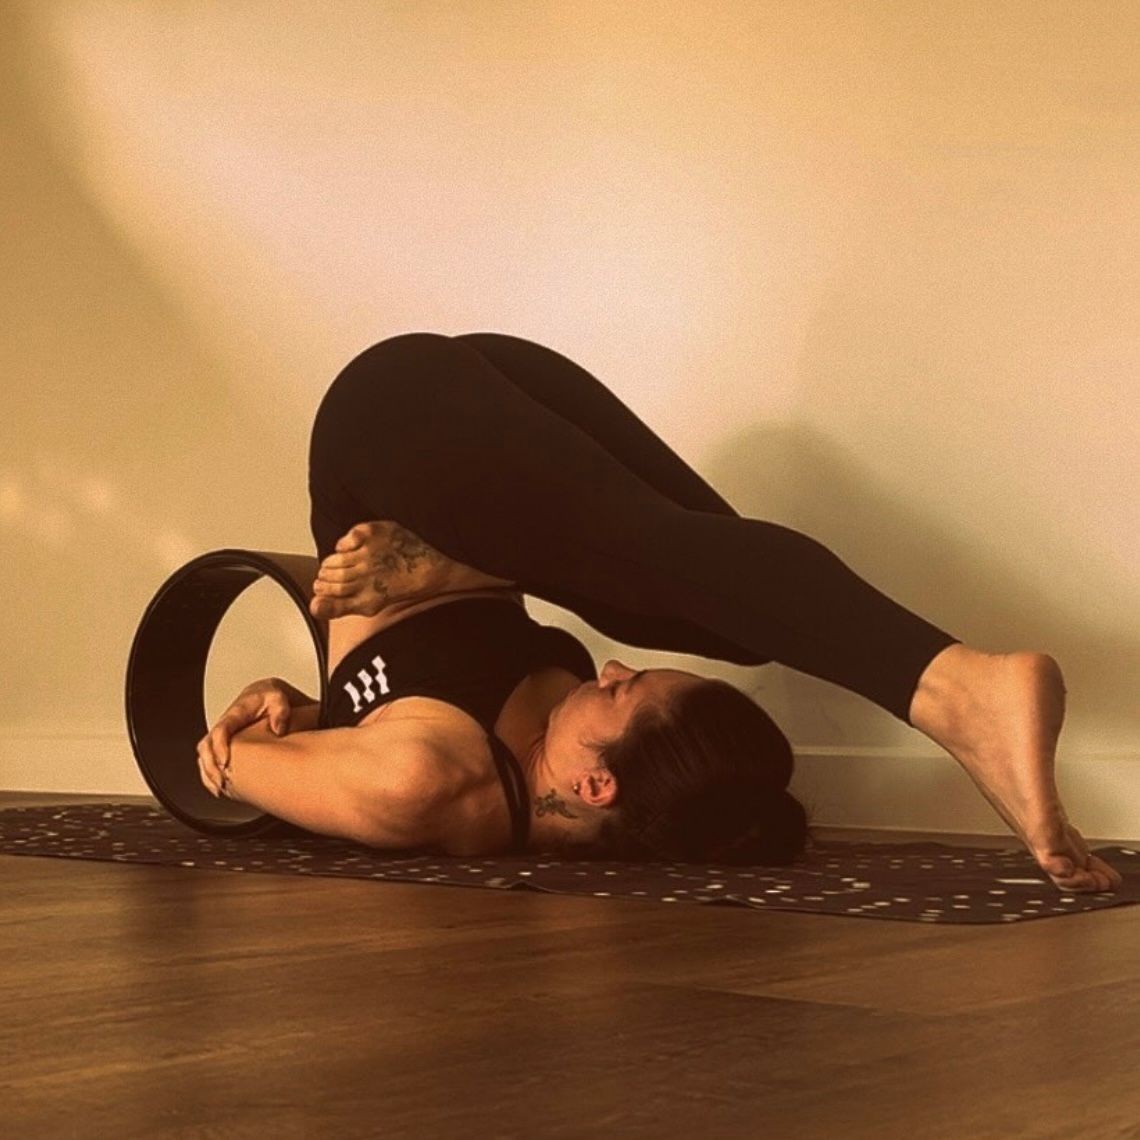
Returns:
(774, 837)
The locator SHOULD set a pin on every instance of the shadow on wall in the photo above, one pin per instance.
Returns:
(126, 449)
(791, 474)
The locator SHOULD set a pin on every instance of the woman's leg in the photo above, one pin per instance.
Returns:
(426, 430)
(568, 390)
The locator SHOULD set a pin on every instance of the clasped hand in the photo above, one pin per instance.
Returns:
(259, 700)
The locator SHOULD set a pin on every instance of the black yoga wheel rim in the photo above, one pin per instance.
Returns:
(166, 673)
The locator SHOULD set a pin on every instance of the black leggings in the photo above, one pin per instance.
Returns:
(510, 458)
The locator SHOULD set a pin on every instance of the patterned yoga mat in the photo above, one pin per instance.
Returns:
(916, 882)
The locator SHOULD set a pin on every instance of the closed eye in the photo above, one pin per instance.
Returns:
(629, 682)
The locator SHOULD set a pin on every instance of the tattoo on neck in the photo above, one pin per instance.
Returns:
(552, 804)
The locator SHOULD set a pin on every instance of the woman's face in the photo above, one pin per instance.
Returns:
(600, 711)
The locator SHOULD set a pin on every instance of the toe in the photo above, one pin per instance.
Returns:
(338, 574)
(324, 608)
(1111, 875)
(355, 538)
(326, 589)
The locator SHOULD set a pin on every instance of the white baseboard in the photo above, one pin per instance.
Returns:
(900, 789)
(871, 788)
(91, 762)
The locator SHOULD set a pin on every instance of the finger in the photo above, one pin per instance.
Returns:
(234, 719)
(279, 716)
(202, 777)
(244, 711)
(206, 770)
(206, 755)
(220, 745)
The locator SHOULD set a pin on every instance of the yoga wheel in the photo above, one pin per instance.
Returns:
(166, 674)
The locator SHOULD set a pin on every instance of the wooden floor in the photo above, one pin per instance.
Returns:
(143, 1001)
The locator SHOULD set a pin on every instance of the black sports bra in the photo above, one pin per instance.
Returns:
(470, 653)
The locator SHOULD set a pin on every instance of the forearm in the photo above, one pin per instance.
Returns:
(329, 782)
(286, 777)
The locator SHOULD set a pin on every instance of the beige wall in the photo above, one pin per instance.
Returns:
(870, 267)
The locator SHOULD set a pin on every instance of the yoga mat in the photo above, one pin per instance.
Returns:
(915, 882)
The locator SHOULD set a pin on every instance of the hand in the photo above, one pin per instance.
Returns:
(268, 698)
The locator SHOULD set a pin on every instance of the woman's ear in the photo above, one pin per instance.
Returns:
(599, 787)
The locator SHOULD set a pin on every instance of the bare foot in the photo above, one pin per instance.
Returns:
(999, 715)
(360, 575)
(380, 564)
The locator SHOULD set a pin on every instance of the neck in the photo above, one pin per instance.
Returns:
(557, 817)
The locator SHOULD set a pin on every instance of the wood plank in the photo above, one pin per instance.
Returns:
(161, 1002)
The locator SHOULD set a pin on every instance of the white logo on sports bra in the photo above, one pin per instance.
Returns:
(366, 683)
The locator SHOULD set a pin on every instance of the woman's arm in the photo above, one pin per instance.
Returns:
(346, 782)
(273, 700)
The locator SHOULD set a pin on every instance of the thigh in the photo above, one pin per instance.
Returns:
(570, 391)
(332, 511)
(370, 449)
(425, 430)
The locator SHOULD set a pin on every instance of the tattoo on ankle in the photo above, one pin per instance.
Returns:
(552, 804)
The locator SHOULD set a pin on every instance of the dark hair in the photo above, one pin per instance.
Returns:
(703, 779)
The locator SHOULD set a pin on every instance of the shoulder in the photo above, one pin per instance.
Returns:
(430, 767)
(416, 757)
(442, 769)
(460, 791)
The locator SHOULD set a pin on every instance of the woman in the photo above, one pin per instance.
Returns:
(448, 477)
